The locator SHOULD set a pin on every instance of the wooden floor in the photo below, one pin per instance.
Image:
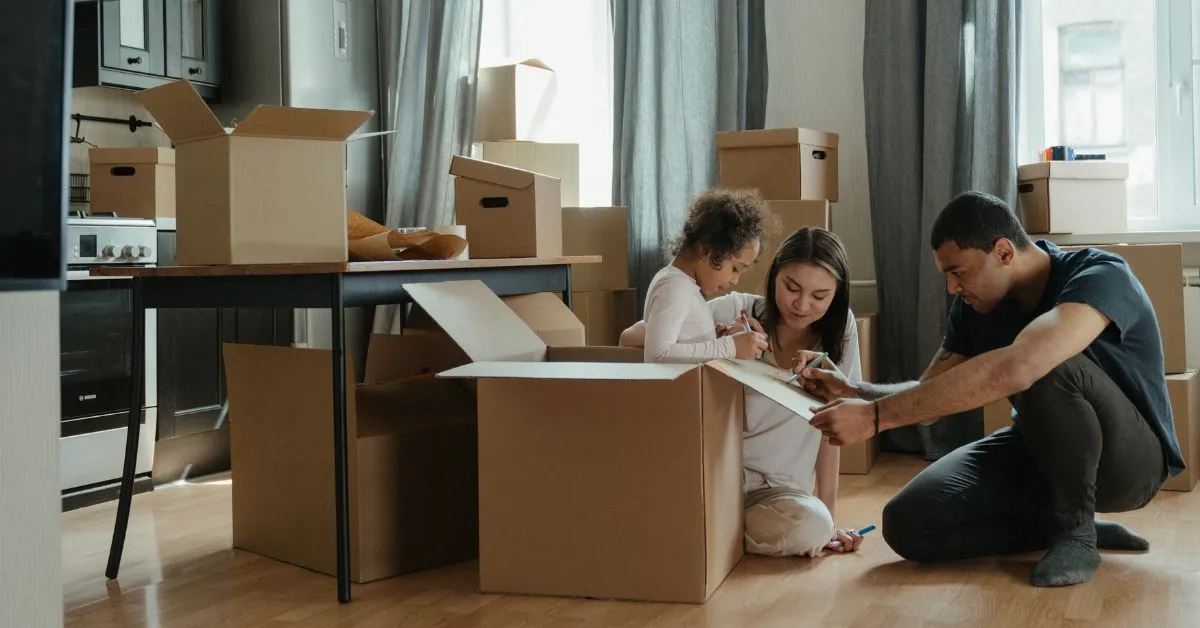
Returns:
(180, 571)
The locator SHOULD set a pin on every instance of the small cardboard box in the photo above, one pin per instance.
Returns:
(783, 164)
(792, 215)
(859, 458)
(605, 314)
(1073, 196)
(513, 101)
(1184, 391)
(605, 480)
(602, 231)
(557, 160)
(271, 191)
(508, 212)
(996, 415)
(1159, 267)
(412, 461)
(133, 182)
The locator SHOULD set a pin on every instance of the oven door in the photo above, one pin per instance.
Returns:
(96, 327)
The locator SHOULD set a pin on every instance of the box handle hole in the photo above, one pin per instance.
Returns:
(123, 171)
(494, 202)
(818, 154)
(1024, 188)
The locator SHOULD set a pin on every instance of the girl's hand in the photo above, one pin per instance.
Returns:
(844, 540)
(739, 324)
(749, 345)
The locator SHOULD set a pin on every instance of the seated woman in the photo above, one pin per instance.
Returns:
(791, 473)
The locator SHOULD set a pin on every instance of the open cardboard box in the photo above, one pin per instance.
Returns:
(412, 458)
(270, 191)
(600, 478)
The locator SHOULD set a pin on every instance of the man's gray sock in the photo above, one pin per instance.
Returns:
(1071, 559)
(1111, 535)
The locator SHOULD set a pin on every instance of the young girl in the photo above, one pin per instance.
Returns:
(720, 239)
(791, 473)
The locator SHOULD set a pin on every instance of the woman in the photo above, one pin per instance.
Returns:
(791, 473)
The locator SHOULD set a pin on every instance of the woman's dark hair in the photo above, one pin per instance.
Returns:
(817, 246)
(722, 221)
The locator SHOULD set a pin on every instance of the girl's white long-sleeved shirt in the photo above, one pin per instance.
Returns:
(679, 324)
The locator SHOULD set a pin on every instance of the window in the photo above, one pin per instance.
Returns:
(1114, 77)
(575, 40)
(1091, 84)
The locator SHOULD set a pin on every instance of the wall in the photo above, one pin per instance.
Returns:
(815, 51)
(30, 543)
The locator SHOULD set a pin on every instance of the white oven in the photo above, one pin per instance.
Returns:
(96, 327)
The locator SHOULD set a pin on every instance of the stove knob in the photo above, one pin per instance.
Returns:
(111, 251)
(144, 252)
(129, 251)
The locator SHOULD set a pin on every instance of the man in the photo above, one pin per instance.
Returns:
(1071, 339)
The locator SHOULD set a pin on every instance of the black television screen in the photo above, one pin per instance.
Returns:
(35, 48)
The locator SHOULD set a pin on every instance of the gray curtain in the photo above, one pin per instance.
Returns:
(429, 60)
(683, 70)
(940, 82)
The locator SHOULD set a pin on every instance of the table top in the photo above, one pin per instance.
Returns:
(329, 268)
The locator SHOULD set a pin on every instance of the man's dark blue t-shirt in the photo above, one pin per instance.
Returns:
(1129, 350)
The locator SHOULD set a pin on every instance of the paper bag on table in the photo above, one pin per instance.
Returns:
(370, 241)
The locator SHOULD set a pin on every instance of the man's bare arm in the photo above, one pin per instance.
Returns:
(1052, 338)
(943, 361)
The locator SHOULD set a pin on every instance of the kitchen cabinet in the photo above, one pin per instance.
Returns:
(139, 44)
(193, 426)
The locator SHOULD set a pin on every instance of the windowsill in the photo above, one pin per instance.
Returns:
(1129, 237)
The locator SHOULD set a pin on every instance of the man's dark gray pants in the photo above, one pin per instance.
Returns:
(1080, 447)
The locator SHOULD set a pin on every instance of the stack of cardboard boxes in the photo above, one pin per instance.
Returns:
(601, 295)
(796, 172)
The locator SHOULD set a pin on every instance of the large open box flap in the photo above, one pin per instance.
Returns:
(484, 327)
(181, 112)
(300, 123)
(769, 381)
(776, 137)
(494, 173)
(592, 371)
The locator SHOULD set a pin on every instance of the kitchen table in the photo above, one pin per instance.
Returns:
(335, 286)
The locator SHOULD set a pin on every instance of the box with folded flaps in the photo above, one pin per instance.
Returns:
(598, 477)
(1073, 196)
(782, 164)
(513, 100)
(134, 182)
(272, 190)
(508, 212)
(412, 459)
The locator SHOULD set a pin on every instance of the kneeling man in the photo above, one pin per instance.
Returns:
(1072, 340)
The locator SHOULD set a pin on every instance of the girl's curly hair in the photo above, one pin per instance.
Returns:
(723, 222)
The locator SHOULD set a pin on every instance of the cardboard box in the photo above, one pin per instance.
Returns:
(1159, 267)
(598, 479)
(1191, 312)
(560, 161)
(133, 182)
(272, 190)
(508, 212)
(1184, 391)
(549, 318)
(792, 215)
(602, 231)
(859, 458)
(605, 314)
(783, 164)
(512, 101)
(1073, 196)
(996, 415)
(412, 448)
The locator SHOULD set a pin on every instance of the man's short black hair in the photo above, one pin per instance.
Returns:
(975, 220)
